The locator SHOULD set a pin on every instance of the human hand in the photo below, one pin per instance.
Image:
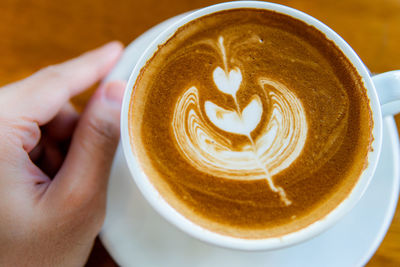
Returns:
(51, 211)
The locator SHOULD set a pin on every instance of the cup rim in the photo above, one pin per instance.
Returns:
(174, 217)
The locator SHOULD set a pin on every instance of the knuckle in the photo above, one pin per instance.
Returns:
(102, 130)
(29, 133)
(22, 131)
(101, 137)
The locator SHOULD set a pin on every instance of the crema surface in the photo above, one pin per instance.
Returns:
(250, 123)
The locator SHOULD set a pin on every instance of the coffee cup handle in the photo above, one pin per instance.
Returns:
(388, 88)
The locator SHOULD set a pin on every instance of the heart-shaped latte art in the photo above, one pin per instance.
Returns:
(232, 122)
(228, 83)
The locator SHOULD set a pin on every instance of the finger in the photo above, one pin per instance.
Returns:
(59, 130)
(63, 124)
(41, 96)
(85, 171)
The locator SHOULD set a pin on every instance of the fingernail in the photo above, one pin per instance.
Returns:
(114, 92)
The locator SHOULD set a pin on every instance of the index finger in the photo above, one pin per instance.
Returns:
(41, 96)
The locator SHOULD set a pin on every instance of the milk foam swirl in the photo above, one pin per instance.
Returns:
(274, 147)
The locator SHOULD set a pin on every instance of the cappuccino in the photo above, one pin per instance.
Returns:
(250, 123)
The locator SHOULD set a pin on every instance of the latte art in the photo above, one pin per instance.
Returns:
(250, 123)
(275, 148)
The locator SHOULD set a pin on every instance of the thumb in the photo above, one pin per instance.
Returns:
(85, 171)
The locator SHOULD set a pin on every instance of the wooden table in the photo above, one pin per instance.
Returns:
(35, 33)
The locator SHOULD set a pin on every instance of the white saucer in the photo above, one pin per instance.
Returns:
(135, 235)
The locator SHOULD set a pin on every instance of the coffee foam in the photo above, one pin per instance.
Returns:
(249, 128)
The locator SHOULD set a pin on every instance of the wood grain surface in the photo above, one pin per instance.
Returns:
(36, 33)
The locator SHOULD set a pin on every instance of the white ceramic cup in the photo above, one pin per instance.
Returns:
(383, 92)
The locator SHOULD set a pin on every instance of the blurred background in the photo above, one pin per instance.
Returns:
(36, 33)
